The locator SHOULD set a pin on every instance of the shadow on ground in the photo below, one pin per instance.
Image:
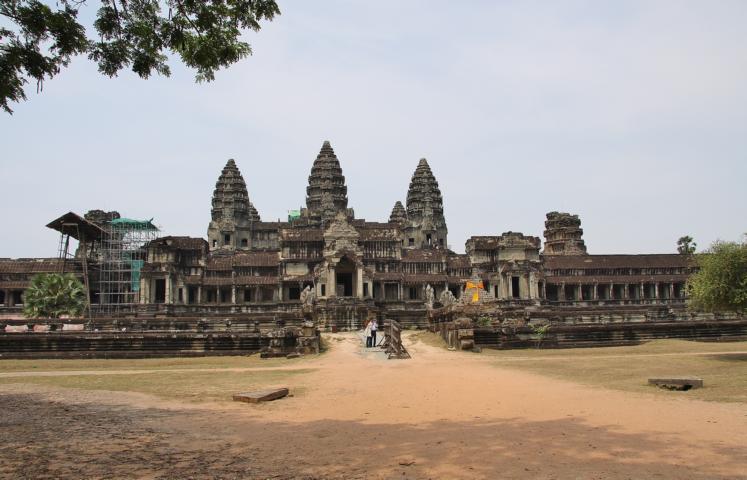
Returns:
(49, 439)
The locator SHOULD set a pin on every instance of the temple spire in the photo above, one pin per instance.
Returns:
(424, 197)
(425, 209)
(326, 194)
(232, 212)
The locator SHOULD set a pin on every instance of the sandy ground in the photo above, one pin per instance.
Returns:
(438, 415)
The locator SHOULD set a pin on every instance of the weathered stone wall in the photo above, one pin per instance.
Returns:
(128, 345)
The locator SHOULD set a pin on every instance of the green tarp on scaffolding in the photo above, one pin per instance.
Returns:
(136, 265)
(129, 222)
(294, 215)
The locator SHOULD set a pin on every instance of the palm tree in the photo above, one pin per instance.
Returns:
(52, 295)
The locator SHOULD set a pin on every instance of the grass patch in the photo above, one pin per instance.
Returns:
(252, 361)
(186, 386)
(628, 368)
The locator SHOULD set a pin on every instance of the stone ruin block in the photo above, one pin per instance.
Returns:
(261, 395)
(677, 383)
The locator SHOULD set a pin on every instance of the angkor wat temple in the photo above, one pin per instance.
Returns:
(326, 264)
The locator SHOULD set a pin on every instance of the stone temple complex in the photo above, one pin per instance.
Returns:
(326, 266)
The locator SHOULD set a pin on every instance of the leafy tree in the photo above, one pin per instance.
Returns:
(52, 295)
(137, 34)
(721, 281)
(686, 246)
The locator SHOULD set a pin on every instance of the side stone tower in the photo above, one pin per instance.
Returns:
(232, 214)
(563, 235)
(326, 195)
(399, 214)
(426, 225)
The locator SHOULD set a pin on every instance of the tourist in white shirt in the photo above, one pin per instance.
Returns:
(367, 333)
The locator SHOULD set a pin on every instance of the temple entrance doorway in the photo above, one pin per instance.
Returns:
(345, 273)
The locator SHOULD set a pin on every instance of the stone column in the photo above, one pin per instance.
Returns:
(595, 292)
(532, 286)
(233, 294)
(168, 294)
(142, 295)
(642, 291)
(671, 291)
(612, 291)
(561, 292)
(332, 283)
(6, 301)
(199, 295)
(359, 282)
(656, 290)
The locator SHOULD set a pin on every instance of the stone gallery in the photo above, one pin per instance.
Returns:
(324, 265)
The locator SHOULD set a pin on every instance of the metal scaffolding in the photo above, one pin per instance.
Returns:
(123, 254)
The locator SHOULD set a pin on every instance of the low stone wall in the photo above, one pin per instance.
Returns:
(128, 345)
(611, 334)
(123, 336)
(501, 326)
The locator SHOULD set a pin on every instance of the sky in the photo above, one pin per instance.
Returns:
(632, 115)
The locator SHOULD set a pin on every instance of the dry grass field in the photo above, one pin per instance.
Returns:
(723, 366)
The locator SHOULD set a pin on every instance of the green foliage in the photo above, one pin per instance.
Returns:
(721, 281)
(52, 295)
(135, 34)
(540, 331)
(686, 246)
(483, 321)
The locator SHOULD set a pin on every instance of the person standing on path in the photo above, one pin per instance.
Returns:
(367, 333)
(374, 326)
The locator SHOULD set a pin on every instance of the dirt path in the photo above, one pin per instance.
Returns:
(313, 364)
(439, 415)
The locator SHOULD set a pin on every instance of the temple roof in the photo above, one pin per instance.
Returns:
(36, 265)
(424, 197)
(326, 194)
(181, 243)
(230, 197)
(664, 260)
(75, 225)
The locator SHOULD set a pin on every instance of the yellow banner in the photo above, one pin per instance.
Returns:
(476, 287)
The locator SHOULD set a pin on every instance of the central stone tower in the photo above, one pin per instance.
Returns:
(326, 195)
(426, 225)
(232, 214)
